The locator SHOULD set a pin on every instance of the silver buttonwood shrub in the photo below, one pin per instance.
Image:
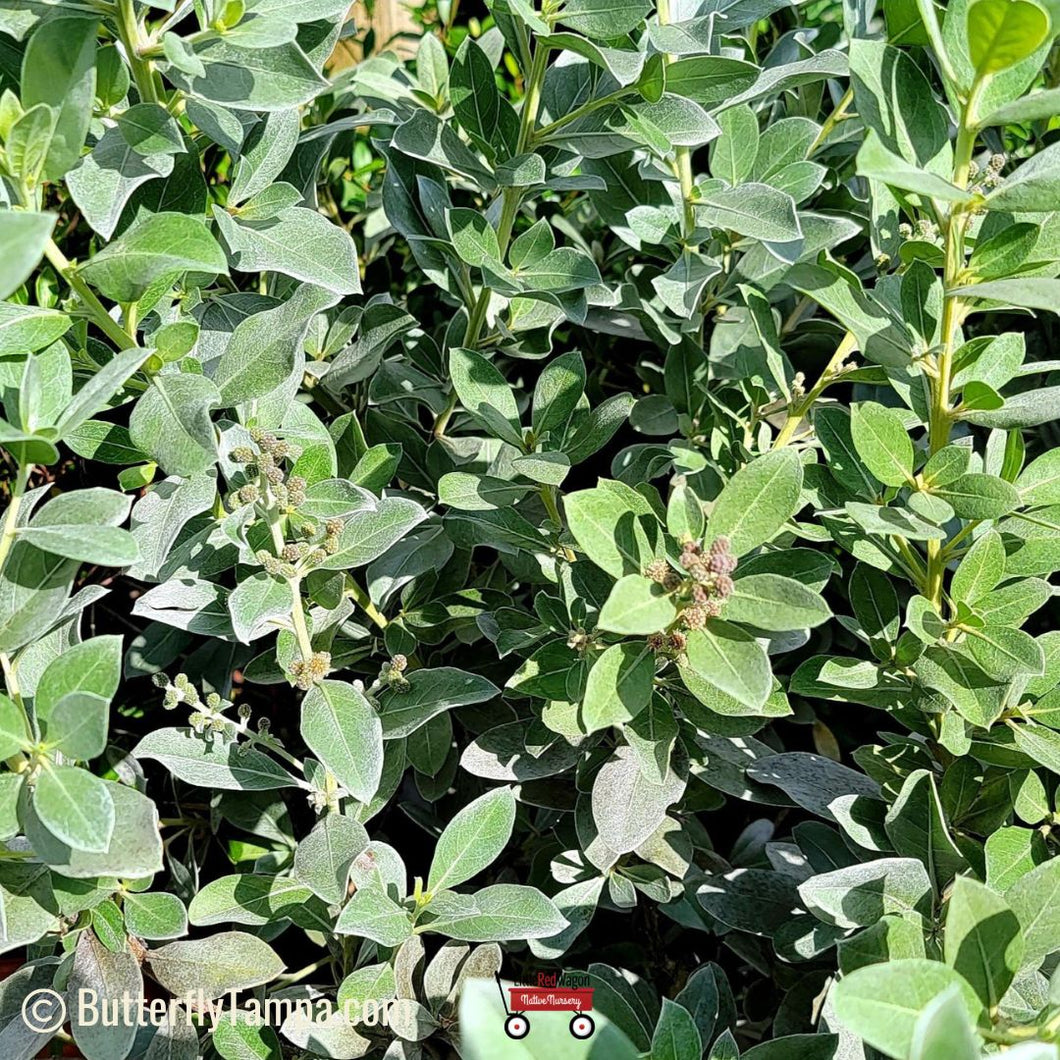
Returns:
(584, 498)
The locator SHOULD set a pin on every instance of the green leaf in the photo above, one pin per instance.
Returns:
(982, 939)
(255, 603)
(981, 569)
(155, 247)
(373, 914)
(23, 236)
(251, 79)
(223, 962)
(894, 99)
(1002, 33)
(628, 804)
(479, 107)
(1033, 898)
(603, 19)
(14, 733)
(676, 1035)
(637, 605)
(110, 977)
(485, 394)
(502, 912)
(155, 915)
(916, 826)
(1039, 481)
(431, 691)
(266, 348)
(731, 661)
(236, 1038)
(978, 496)
(943, 1030)
(474, 238)
(100, 388)
(612, 528)
(370, 532)
(619, 685)
(134, 850)
(875, 161)
(558, 390)
(882, 1002)
(212, 765)
(473, 839)
(247, 898)
(296, 242)
(344, 732)
(477, 493)
(709, 79)
(1005, 653)
(323, 858)
(171, 423)
(882, 442)
(754, 210)
(75, 807)
(59, 69)
(773, 602)
(758, 500)
(859, 895)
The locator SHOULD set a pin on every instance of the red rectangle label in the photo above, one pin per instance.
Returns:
(551, 999)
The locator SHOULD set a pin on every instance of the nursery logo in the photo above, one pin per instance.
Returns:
(548, 992)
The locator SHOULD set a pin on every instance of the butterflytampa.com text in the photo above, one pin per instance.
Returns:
(88, 1008)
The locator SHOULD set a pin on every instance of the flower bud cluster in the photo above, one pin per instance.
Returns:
(672, 643)
(305, 674)
(207, 717)
(392, 673)
(706, 584)
(268, 465)
(275, 489)
(924, 230)
(984, 179)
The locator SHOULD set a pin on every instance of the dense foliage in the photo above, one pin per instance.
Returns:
(582, 499)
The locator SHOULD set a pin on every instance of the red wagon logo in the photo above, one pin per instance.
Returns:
(524, 999)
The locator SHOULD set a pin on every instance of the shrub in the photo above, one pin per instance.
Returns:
(606, 531)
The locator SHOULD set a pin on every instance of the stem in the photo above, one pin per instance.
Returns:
(580, 112)
(799, 412)
(683, 155)
(142, 70)
(832, 120)
(941, 414)
(7, 538)
(97, 311)
(364, 602)
(548, 497)
(510, 200)
(301, 630)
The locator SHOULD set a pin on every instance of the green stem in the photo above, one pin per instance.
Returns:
(364, 602)
(683, 156)
(7, 538)
(7, 668)
(548, 497)
(301, 630)
(510, 200)
(799, 412)
(142, 70)
(941, 414)
(97, 311)
(584, 110)
(832, 120)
